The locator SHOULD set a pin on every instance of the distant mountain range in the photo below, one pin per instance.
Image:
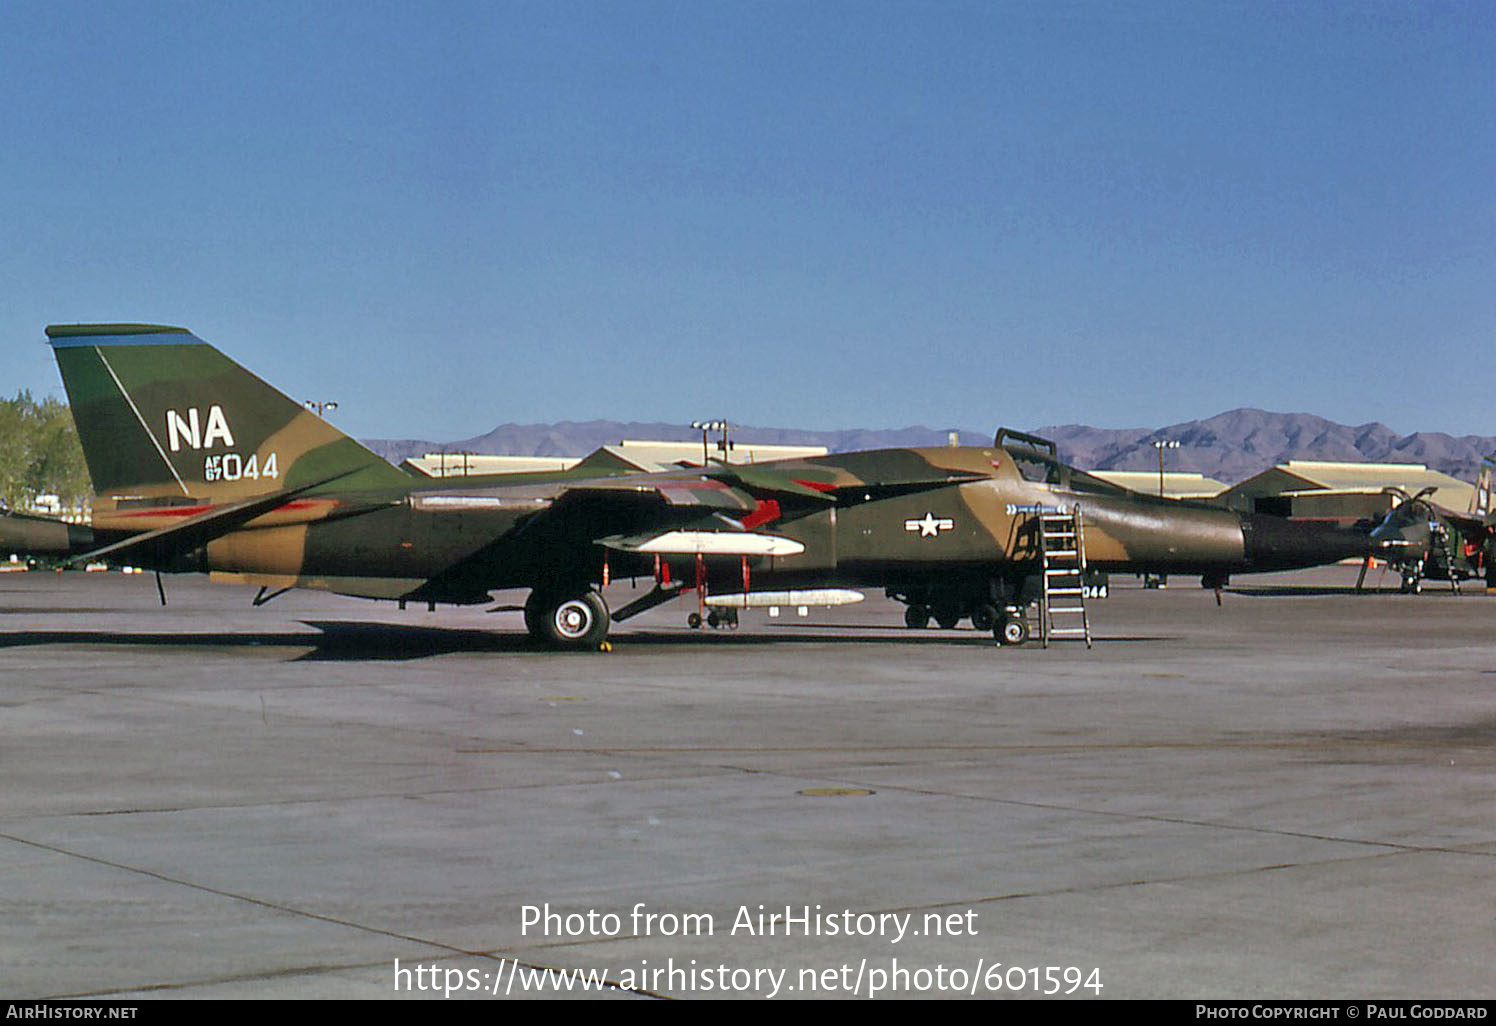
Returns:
(1229, 447)
(1234, 446)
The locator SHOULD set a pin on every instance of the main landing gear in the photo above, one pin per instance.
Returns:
(575, 619)
(948, 614)
(1005, 614)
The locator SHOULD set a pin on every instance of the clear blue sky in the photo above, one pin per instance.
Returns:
(448, 215)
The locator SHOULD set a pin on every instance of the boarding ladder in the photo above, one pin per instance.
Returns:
(1441, 536)
(1062, 584)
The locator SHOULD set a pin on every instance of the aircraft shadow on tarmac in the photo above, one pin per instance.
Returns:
(353, 641)
(1288, 591)
(335, 640)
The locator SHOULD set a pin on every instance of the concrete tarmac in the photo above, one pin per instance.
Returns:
(1288, 796)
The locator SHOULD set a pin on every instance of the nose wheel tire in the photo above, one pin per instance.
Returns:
(1012, 630)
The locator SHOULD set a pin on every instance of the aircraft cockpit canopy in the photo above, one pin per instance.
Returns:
(1037, 459)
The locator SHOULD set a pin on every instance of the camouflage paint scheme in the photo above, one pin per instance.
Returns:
(33, 535)
(1422, 540)
(201, 466)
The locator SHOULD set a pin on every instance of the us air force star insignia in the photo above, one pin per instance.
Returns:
(930, 526)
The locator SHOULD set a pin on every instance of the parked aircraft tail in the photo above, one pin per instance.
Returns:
(164, 417)
(1480, 499)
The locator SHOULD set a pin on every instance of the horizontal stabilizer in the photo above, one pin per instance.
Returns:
(189, 534)
(705, 543)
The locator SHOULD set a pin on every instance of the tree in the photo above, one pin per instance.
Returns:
(39, 453)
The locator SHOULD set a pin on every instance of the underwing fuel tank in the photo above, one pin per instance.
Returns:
(802, 597)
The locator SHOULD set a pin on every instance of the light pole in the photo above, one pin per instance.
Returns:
(1161, 445)
(712, 425)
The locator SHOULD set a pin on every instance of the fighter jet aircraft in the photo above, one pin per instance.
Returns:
(199, 466)
(29, 534)
(1422, 540)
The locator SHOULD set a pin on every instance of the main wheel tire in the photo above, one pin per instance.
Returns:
(1012, 630)
(984, 617)
(947, 617)
(917, 617)
(574, 621)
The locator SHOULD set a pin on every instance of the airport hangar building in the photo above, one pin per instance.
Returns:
(1342, 493)
(630, 454)
(1337, 492)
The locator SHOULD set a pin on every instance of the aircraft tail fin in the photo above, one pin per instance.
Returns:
(1480, 499)
(164, 416)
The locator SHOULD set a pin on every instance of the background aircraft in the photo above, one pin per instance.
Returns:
(30, 535)
(1422, 540)
(198, 465)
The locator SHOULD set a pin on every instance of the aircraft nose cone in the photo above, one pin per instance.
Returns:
(1272, 543)
(1401, 539)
